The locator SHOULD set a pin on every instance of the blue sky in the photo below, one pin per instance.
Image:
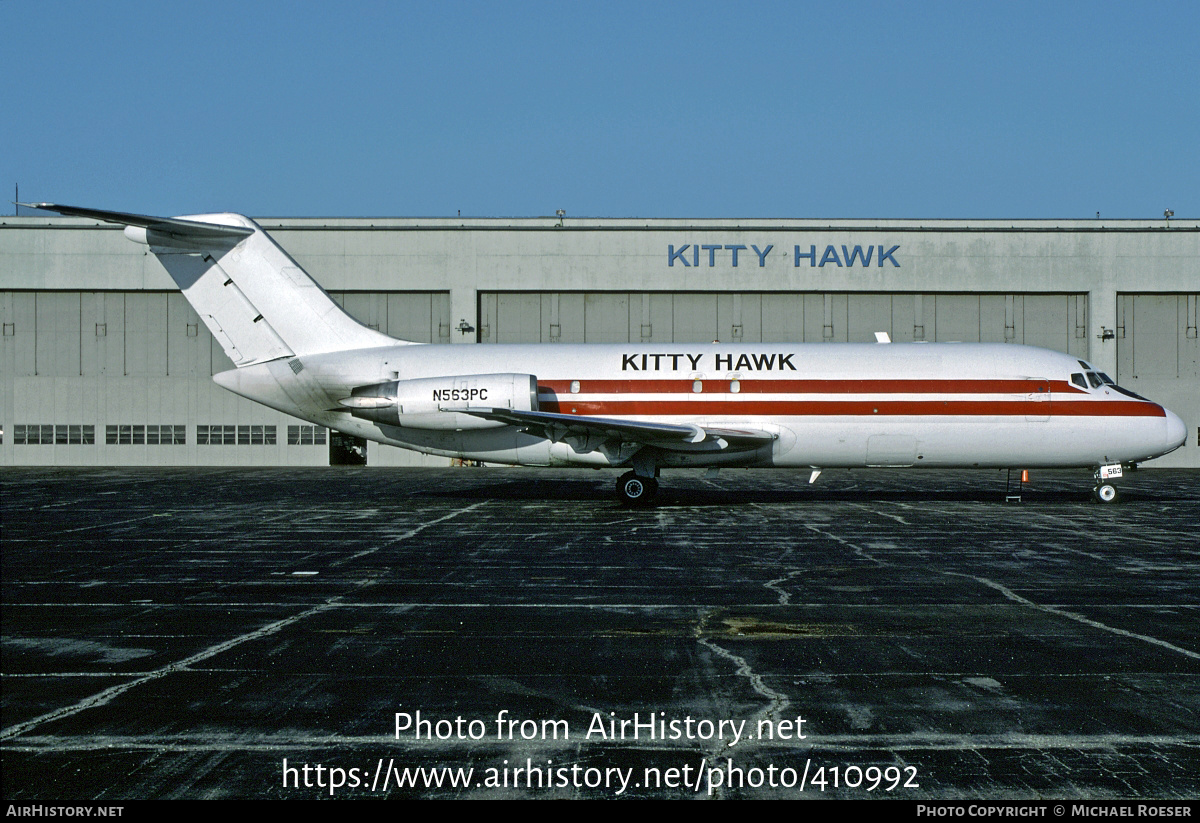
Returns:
(613, 109)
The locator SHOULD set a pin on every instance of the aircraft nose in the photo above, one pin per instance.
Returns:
(1176, 431)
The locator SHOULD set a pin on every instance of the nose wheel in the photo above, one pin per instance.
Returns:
(1105, 491)
(635, 490)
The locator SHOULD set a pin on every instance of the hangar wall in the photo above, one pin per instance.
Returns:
(1056, 321)
(125, 378)
(103, 363)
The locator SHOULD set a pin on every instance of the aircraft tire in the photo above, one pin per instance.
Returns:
(634, 490)
(1107, 493)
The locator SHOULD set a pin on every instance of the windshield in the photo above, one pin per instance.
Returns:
(1098, 380)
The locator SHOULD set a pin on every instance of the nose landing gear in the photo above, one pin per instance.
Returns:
(1105, 491)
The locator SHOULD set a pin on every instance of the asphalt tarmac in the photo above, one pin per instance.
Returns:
(304, 633)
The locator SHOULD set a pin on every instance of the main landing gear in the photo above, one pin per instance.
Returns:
(636, 490)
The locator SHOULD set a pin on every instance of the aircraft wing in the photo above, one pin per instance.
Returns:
(590, 433)
(164, 225)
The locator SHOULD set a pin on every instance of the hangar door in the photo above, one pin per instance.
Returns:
(1157, 337)
(157, 334)
(420, 317)
(1055, 321)
(1158, 355)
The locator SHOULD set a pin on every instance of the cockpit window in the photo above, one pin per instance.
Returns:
(1099, 379)
(1078, 380)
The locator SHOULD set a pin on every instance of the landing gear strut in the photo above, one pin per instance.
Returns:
(635, 490)
(1105, 491)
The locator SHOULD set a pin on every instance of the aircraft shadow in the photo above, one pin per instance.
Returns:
(691, 495)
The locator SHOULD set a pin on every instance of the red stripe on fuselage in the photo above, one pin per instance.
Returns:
(818, 408)
(770, 386)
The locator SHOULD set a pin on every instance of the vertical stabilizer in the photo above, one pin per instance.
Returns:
(257, 302)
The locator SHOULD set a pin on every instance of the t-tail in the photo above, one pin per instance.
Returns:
(255, 299)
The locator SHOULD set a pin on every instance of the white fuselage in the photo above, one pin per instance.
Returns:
(827, 405)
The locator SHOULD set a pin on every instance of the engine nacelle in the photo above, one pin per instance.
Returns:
(437, 402)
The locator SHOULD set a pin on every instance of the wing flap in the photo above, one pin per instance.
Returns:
(588, 432)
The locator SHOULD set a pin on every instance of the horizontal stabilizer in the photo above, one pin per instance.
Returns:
(165, 225)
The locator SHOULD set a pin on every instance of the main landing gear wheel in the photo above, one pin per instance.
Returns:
(635, 490)
(1106, 493)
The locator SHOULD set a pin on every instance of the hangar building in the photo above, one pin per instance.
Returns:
(102, 361)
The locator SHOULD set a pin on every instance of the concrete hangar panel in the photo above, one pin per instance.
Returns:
(102, 362)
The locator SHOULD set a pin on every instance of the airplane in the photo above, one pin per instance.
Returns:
(643, 407)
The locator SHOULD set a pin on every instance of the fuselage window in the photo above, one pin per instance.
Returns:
(574, 387)
(1078, 380)
(697, 386)
(735, 386)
